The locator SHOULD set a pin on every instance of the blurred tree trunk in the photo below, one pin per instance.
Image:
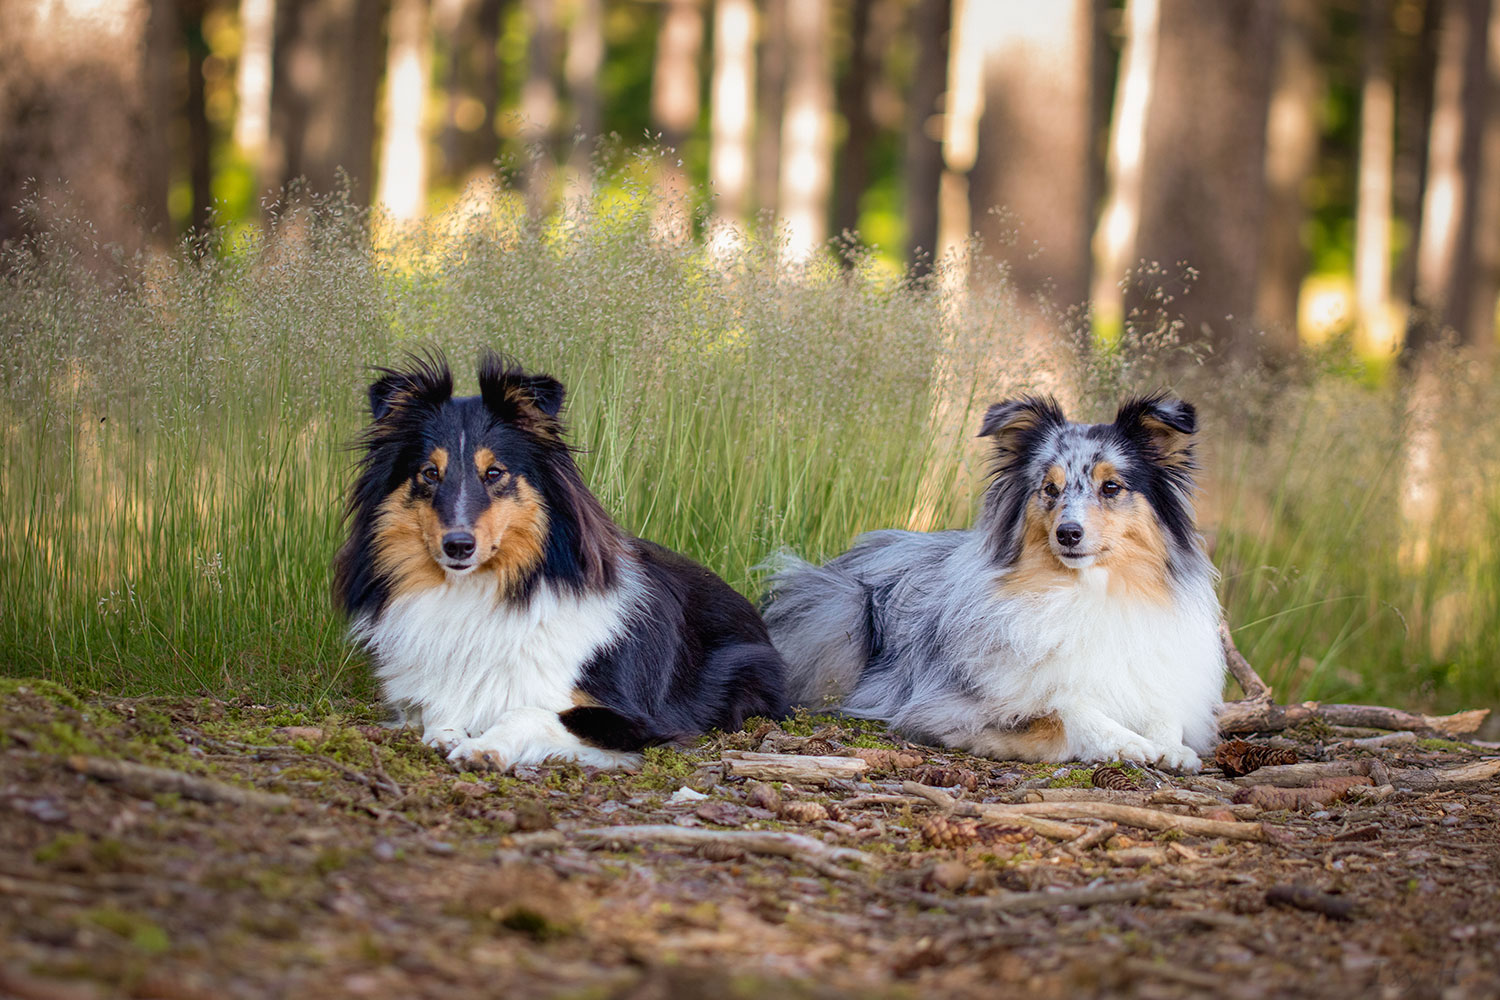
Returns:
(1293, 131)
(1203, 200)
(581, 68)
(252, 115)
(195, 111)
(1448, 285)
(1372, 214)
(82, 112)
(675, 85)
(471, 35)
(403, 147)
(1029, 191)
(731, 109)
(1414, 56)
(807, 129)
(930, 26)
(770, 101)
(1482, 302)
(859, 122)
(539, 103)
(1119, 221)
(324, 76)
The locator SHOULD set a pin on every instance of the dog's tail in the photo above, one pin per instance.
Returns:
(823, 623)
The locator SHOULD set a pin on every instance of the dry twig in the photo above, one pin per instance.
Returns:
(140, 779)
(791, 767)
(813, 853)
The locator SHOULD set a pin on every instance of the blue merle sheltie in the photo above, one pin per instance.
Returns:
(506, 615)
(1076, 620)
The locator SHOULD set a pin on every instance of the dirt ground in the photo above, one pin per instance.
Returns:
(337, 858)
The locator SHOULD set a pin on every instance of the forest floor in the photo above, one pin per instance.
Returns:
(267, 854)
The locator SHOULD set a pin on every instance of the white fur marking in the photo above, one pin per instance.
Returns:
(463, 660)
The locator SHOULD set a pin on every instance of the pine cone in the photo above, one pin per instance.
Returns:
(804, 812)
(947, 777)
(947, 831)
(1239, 757)
(995, 833)
(881, 759)
(1107, 776)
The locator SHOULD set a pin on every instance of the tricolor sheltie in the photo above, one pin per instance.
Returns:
(505, 613)
(1076, 620)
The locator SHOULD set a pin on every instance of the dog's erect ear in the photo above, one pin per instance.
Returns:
(425, 381)
(533, 401)
(1015, 421)
(1165, 422)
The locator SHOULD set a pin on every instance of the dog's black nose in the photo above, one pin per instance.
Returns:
(1069, 534)
(460, 544)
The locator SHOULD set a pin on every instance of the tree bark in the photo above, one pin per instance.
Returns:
(539, 104)
(1446, 259)
(1372, 216)
(807, 129)
(581, 67)
(324, 79)
(470, 30)
(200, 139)
(1203, 200)
(923, 167)
(770, 101)
(859, 123)
(82, 120)
(403, 156)
(1029, 189)
(731, 109)
(1291, 156)
(1119, 222)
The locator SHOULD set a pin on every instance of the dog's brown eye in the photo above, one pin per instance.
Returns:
(429, 474)
(1052, 491)
(1110, 488)
(493, 473)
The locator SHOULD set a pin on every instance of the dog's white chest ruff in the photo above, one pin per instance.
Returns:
(462, 658)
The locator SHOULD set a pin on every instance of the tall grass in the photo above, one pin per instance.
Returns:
(173, 438)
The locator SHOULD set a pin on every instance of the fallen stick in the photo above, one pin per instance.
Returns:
(1033, 902)
(143, 780)
(1261, 715)
(1093, 838)
(1244, 675)
(1044, 827)
(813, 853)
(1304, 897)
(1311, 772)
(791, 767)
(1438, 778)
(1145, 819)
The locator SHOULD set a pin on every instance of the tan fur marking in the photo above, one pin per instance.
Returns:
(1105, 471)
(403, 552)
(1039, 738)
(1171, 442)
(484, 458)
(1037, 569)
(511, 534)
(439, 458)
(582, 699)
(1135, 551)
(1055, 477)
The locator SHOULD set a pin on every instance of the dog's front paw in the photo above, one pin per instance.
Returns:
(1180, 758)
(478, 755)
(1129, 747)
(444, 738)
